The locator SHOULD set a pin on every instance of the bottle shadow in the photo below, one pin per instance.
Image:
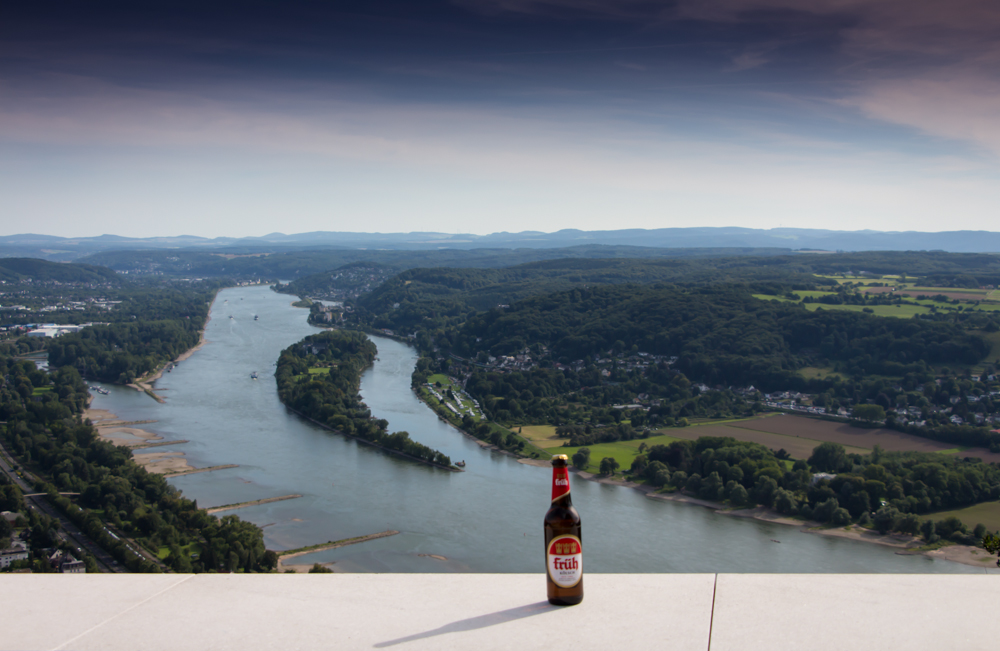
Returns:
(473, 623)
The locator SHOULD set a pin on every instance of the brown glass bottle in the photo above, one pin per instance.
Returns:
(563, 541)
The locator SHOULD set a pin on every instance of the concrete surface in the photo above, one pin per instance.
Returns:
(497, 611)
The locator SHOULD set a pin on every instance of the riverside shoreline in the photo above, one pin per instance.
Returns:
(906, 545)
(145, 383)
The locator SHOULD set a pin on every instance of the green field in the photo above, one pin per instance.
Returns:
(858, 280)
(946, 290)
(994, 339)
(624, 452)
(544, 436)
(193, 548)
(446, 382)
(899, 311)
(816, 372)
(986, 513)
(768, 297)
(813, 294)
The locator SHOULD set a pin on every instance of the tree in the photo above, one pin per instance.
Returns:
(320, 569)
(840, 517)
(991, 543)
(886, 519)
(824, 510)
(869, 413)
(739, 496)
(829, 457)
(581, 459)
(609, 465)
(785, 502)
(929, 533)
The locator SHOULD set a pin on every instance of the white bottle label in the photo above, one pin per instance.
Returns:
(565, 561)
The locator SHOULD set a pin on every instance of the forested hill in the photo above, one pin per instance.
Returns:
(282, 263)
(420, 292)
(15, 270)
(721, 335)
(149, 327)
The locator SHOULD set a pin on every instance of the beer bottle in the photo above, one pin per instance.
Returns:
(563, 544)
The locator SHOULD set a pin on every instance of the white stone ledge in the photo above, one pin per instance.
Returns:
(498, 611)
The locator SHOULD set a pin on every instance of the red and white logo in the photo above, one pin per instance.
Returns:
(560, 483)
(565, 561)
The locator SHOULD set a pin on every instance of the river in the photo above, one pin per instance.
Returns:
(487, 519)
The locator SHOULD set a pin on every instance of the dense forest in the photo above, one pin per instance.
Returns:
(959, 269)
(280, 262)
(148, 328)
(33, 270)
(43, 430)
(720, 335)
(319, 378)
(896, 487)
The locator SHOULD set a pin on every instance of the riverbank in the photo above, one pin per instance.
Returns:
(145, 383)
(906, 545)
(173, 463)
(398, 453)
(111, 428)
(443, 417)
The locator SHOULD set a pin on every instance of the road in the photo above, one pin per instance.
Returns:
(67, 530)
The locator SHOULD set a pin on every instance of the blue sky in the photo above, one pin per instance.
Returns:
(243, 118)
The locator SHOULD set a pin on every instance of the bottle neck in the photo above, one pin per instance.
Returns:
(560, 486)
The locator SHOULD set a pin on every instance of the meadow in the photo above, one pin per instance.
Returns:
(797, 435)
(986, 513)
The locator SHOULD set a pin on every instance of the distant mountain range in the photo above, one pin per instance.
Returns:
(62, 248)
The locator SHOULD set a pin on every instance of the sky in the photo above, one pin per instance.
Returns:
(160, 118)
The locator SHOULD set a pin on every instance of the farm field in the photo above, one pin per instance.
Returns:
(898, 311)
(813, 372)
(953, 294)
(798, 447)
(797, 435)
(768, 297)
(624, 452)
(543, 436)
(994, 354)
(856, 437)
(813, 294)
(860, 280)
(986, 513)
(950, 306)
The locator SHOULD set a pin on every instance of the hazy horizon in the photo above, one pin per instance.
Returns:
(485, 116)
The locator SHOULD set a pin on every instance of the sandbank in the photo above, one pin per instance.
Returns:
(163, 463)
(128, 436)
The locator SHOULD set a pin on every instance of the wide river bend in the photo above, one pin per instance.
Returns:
(487, 519)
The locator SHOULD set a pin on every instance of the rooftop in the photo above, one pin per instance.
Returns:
(499, 611)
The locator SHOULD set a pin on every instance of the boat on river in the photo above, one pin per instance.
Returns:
(253, 375)
(255, 317)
